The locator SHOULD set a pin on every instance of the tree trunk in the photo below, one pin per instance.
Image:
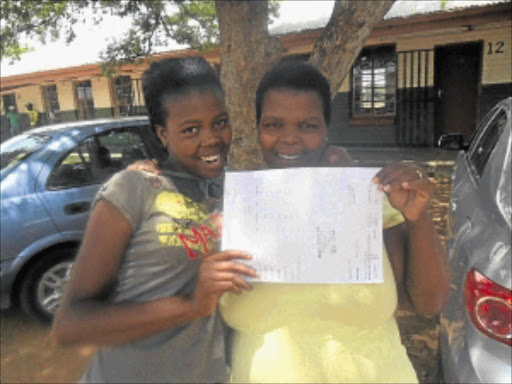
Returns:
(246, 52)
(344, 36)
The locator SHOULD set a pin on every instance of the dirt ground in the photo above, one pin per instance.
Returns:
(28, 356)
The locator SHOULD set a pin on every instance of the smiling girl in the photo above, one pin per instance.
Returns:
(147, 279)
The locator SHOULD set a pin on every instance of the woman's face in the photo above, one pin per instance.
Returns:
(197, 132)
(292, 130)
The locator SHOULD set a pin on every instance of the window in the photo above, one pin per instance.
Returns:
(51, 102)
(374, 83)
(20, 148)
(85, 102)
(123, 94)
(7, 100)
(481, 150)
(97, 158)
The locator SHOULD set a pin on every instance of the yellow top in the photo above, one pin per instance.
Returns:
(32, 115)
(319, 333)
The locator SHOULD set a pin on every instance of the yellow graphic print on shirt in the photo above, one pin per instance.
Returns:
(180, 232)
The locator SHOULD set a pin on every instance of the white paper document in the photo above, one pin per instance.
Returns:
(306, 225)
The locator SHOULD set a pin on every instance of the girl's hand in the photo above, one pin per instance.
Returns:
(219, 273)
(150, 166)
(408, 188)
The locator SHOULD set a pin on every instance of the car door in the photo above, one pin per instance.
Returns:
(467, 206)
(72, 184)
(472, 203)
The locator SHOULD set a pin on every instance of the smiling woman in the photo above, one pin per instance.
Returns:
(292, 132)
(145, 283)
(293, 110)
(340, 333)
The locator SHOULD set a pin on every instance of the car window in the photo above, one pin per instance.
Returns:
(97, 158)
(14, 151)
(482, 148)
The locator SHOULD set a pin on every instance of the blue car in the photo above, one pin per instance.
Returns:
(49, 177)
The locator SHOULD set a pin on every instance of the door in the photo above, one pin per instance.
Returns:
(84, 100)
(457, 80)
(74, 181)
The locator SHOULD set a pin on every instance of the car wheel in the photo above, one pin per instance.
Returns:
(42, 287)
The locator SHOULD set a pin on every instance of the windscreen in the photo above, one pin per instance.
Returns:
(19, 148)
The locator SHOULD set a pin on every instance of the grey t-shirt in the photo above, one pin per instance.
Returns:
(171, 232)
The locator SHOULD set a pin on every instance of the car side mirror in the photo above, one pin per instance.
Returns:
(454, 141)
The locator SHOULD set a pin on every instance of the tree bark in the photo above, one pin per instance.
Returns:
(246, 52)
(344, 36)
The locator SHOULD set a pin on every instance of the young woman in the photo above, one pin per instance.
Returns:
(342, 333)
(147, 279)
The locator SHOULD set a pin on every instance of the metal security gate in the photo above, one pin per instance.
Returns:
(138, 107)
(416, 101)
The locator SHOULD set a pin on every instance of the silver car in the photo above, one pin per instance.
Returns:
(476, 323)
(49, 177)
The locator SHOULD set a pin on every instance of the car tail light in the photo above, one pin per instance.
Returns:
(489, 306)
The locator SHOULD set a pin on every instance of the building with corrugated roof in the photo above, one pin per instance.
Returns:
(428, 68)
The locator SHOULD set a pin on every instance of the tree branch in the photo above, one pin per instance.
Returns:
(345, 35)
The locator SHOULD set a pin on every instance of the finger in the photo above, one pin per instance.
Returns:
(224, 286)
(151, 166)
(397, 167)
(421, 193)
(401, 174)
(389, 188)
(233, 286)
(421, 186)
(237, 291)
(232, 267)
(153, 170)
(380, 175)
(391, 178)
(229, 254)
(241, 284)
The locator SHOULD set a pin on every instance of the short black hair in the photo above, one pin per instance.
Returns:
(298, 76)
(172, 77)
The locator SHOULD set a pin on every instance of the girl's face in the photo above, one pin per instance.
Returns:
(197, 132)
(292, 131)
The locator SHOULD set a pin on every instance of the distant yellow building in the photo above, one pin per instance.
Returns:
(420, 75)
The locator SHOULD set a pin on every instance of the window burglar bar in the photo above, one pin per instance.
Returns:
(415, 112)
(374, 83)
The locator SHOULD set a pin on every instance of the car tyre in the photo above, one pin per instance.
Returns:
(43, 285)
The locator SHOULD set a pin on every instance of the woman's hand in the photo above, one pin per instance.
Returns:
(408, 188)
(150, 166)
(219, 273)
(416, 253)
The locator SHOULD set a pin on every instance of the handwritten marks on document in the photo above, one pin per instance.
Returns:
(306, 225)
